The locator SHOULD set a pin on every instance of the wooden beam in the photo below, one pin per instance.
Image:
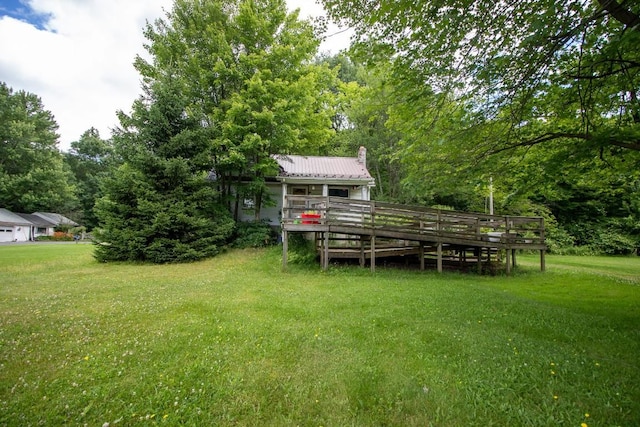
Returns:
(440, 257)
(373, 253)
(542, 261)
(422, 256)
(508, 251)
(285, 248)
(326, 250)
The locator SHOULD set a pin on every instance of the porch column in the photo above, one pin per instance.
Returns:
(325, 190)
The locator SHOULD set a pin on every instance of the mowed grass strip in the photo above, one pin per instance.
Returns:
(235, 341)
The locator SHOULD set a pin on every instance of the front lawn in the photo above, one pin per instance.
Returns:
(234, 341)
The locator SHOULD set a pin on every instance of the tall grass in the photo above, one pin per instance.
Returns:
(235, 341)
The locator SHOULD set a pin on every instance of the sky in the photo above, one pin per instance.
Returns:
(77, 55)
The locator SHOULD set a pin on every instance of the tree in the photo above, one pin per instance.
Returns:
(228, 84)
(32, 173)
(158, 206)
(91, 159)
(535, 70)
(247, 70)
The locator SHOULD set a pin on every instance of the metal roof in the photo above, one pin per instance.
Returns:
(349, 168)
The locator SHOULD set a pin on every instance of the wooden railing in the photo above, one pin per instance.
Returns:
(340, 215)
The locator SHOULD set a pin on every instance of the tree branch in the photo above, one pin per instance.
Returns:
(550, 136)
(621, 14)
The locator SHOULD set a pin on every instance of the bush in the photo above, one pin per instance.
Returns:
(255, 234)
(613, 242)
(559, 240)
(58, 236)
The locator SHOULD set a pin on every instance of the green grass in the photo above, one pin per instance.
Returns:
(234, 341)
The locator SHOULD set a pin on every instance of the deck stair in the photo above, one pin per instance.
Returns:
(366, 230)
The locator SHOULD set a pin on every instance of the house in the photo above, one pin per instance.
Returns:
(14, 228)
(22, 227)
(312, 176)
(40, 226)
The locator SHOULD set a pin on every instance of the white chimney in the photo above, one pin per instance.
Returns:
(362, 156)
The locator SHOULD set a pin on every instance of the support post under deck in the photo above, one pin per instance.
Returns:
(439, 257)
(373, 253)
(285, 248)
(326, 250)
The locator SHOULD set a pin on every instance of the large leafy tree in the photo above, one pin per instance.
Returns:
(32, 172)
(91, 159)
(228, 84)
(246, 67)
(540, 95)
(534, 70)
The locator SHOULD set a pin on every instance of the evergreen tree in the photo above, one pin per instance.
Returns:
(159, 206)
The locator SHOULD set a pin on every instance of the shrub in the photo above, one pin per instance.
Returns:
(559, 240)
(254, 234)
(58, 236)
(614, 242)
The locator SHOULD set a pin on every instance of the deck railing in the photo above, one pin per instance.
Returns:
(341, 215)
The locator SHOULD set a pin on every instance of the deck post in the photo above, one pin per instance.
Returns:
(479, 260)
(373, 253)
(508, 254)
(422, 256)
(362, 258)
(440, 257)
(285, 247)
(326, 250)
(513, 258)
(542, 261)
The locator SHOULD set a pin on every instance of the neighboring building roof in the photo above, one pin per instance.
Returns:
(9, 218)
(343, 168)
(55, 218)
(37, 220)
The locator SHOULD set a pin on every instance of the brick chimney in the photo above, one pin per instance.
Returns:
(362, 156)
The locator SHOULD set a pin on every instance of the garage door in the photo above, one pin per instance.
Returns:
(6, 234)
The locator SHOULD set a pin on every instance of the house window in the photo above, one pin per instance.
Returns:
(41, 230)
(339, 192)
(5, 230)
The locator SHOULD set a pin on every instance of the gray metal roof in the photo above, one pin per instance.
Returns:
(9, 218)
(322, 167)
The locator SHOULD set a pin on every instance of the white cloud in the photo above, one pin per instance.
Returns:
(81, 63)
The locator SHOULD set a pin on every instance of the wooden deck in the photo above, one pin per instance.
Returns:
(366, 230)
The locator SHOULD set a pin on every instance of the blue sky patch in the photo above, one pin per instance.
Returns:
(19, 9)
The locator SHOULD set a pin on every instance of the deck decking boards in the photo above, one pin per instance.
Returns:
(424, 231)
